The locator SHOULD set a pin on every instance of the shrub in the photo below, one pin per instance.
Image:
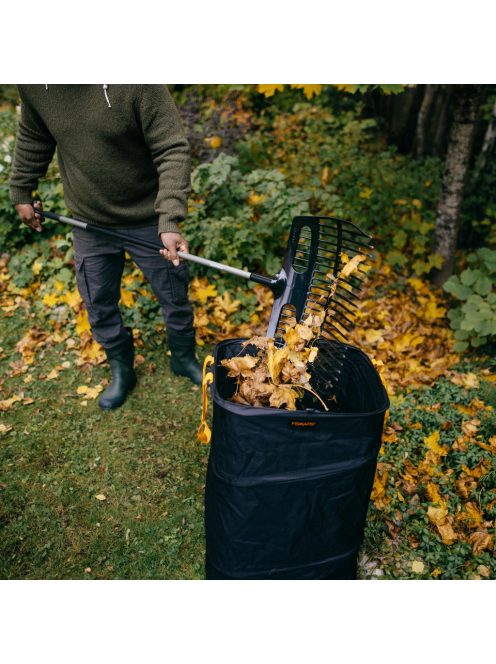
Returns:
(474, 321)
(12, 232)
(242, 219)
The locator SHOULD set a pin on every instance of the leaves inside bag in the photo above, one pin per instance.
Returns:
(277, 377)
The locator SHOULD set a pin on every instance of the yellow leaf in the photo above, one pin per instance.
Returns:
(52, 375)
(93, 392)
(240, 366)
(471, 514)
(432, 443)
(50, 300)
(418, 567)
(433, 312)
(351, 266)
(366, 193)
(437, 515)
(434, 495)
(128, 298)
(346, 87)
(470, 427)
(275, 359)
(59, 286)
(308, 90)
(7, 404)
(270, 90)
(82, 389)
(448, 535)
(5, 428)
(372, 336)
(101, 496)
(203, 293)
(82, 323)
(37, 266)
(468, 380)
(214, 142)
(72, 298)
(284, 395)
(254, 199)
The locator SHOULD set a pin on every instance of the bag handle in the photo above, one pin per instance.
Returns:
(204, 433)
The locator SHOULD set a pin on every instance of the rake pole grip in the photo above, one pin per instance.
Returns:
(109, 232)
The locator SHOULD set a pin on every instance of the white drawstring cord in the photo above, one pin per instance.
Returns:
(46, 86)
(106, 95)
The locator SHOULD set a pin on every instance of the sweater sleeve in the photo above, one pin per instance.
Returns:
(163, 133)
(33, 153)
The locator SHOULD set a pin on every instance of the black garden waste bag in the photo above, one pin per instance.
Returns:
(287, 492)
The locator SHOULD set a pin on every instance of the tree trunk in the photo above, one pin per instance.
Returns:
(443, 116)
(422, 118)
(487, 144)
(467, 102)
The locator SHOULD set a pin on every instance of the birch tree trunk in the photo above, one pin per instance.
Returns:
(467, 102)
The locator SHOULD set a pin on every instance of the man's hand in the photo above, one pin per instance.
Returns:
(173, 242)
(28, 215)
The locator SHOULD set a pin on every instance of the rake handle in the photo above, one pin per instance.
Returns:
(271, 282)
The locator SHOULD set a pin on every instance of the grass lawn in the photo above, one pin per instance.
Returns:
(59, 455)
(145, 461)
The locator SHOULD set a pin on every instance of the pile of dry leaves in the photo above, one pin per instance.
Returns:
(276, 377)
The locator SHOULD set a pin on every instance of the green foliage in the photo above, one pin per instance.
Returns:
(340, 158)
(242, 219)
(474, 321)
(417, 415)
(12, 232)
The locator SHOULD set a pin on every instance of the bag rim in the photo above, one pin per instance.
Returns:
(252, 411)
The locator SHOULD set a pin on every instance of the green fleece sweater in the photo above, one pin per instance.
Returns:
(123, 157)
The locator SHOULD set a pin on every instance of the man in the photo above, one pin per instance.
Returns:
(124, 163)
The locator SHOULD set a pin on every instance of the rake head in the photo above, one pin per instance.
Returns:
(318, 249)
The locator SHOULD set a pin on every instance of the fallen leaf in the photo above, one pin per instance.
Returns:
(284, 396)
(480, 540)
(468, 380)
(240, 366)
(432, 443)
(418, 567)
(101, 496)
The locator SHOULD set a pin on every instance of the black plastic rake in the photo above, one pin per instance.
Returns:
(309, 282)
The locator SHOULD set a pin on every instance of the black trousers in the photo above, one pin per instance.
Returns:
(99, 266)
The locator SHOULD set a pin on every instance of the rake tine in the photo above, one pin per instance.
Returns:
(333, 252)
(340, 313)
(343, 246)
(335, 235)
(339, 285)
(323, 358)
(337, 318)
(345, 225)
(325, 273)
(354, 276)
(328, 324)
(326, 290)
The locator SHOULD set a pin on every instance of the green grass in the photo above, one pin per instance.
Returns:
(143, 457)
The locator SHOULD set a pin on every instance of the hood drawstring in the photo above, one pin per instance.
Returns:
(106, 95)
(46, 86)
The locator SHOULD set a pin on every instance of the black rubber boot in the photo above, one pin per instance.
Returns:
(183, 359)
(121, 360)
